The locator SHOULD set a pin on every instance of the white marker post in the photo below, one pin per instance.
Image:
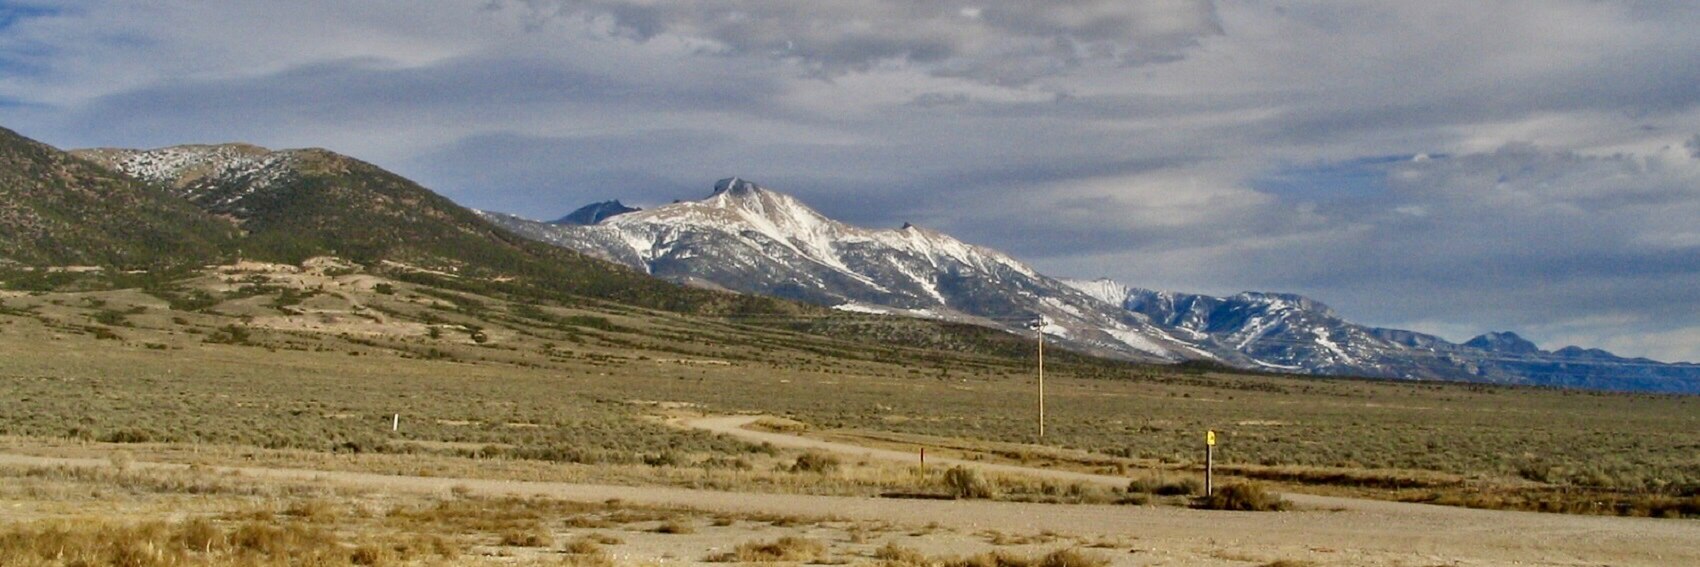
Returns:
(1209, 462)
(395, 425)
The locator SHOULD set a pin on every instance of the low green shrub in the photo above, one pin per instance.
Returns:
(816, 463)
(1243, 497)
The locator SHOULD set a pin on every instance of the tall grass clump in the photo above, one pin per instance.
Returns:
(814, 462)
(787, 549)
(965, 482)
(1161, 486)
(897, 556)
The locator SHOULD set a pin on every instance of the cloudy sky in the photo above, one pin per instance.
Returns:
(1450, 167)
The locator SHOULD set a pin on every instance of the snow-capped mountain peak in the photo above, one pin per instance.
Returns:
(742, 210)
(752, 239)
(736, 186)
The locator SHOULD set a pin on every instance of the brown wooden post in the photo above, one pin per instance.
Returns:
(1041, 383)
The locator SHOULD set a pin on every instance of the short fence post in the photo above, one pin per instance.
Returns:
(1209, 463)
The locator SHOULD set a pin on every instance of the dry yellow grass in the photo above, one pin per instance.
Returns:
(237, 520)
(568, 392)
(788, 549)
(894, 555)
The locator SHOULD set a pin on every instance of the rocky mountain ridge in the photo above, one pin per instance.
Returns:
(747, 238)
(290, 205)
(751, 239)
(1293, 333)
(56, 209)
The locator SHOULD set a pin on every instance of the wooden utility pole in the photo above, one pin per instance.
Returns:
(1041, 381)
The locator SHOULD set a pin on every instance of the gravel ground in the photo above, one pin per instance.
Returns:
(1326, 531)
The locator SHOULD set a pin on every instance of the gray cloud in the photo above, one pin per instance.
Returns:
(380, 110)
(1561, 245)
(547, 177)
(1001, 41)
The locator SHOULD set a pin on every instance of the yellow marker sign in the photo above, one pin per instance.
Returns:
(1210, 438)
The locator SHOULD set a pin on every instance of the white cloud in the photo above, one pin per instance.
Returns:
(1161, 199)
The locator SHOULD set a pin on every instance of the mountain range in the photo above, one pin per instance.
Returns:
(183, 207)
(108, 218)
(750, 239)
(186, 206)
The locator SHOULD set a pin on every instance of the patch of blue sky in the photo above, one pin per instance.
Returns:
(13, 12)
(7, 102)
(1350, 180)
(19, 56)
(15, 64)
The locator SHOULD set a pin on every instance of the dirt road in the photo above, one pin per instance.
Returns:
(1366, 533)
(1372, 528)
(736, 426)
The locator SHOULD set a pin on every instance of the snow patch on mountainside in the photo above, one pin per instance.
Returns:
(1056, 303)
(854, 307)
(1055, 330)
(638, 244)
(195, 169)
(1101, 289)
(1283, 367)
(1327, 343)
(939, 246)
(1141, 342)
(1255, 330)
(862, 308)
